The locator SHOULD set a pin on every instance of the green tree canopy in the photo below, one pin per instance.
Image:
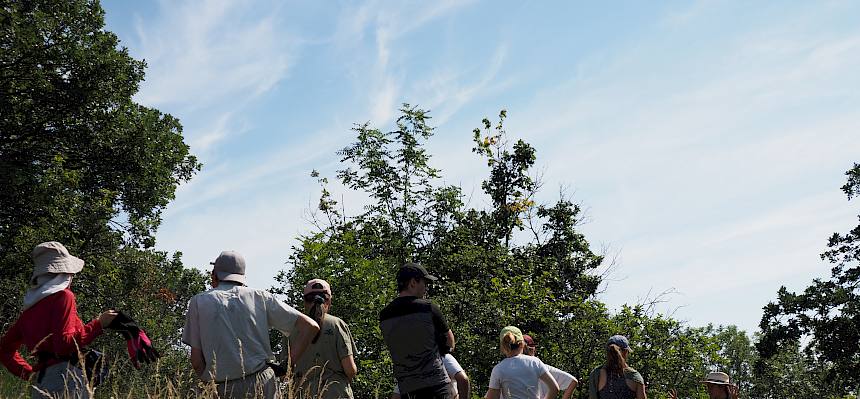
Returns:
(83, 164)
(517, 262)
(825, 317)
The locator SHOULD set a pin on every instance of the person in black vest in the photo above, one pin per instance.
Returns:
(417, 336)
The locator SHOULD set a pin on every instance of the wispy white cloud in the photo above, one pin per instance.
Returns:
(231, 179)
(211, 136)
(664, 160)
(201, 53)
(451, 89)
(383, 79)
(676, 148)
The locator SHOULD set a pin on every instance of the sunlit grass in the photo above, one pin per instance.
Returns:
(170, 377)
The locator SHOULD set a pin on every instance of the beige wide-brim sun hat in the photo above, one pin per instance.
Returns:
(53, 257)
(717, 378)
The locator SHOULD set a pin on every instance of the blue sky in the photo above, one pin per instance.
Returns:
(708, 140)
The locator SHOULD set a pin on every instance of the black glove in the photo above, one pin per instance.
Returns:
(138, 344)
(279, 370)
(124, 325)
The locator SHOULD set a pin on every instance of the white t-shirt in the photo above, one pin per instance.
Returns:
(517, 377)
(452, 367)
(562, 377)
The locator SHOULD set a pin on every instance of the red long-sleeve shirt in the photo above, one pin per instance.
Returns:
(51, 325)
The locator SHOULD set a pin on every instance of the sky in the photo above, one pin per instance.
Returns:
(707, 140)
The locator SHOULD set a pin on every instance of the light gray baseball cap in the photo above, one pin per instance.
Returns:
(230, 266)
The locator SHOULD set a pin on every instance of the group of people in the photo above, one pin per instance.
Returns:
(227, 328)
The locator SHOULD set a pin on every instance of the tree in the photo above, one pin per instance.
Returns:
(737, 355)
(83, 164)
(826, 315)
(487, 278)
(789, 372)
(544, 282)
(510, 187)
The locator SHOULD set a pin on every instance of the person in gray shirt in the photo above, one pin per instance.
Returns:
(417, 336)
(227, 329)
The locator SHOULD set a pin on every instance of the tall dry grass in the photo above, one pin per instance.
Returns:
(171, 377)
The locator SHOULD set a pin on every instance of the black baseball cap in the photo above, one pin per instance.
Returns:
(414, 270)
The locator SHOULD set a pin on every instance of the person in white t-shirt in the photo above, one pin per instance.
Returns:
(460, 386)
(566, 382)
(518, 375)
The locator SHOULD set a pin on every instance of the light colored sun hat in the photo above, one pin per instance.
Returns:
(718, 378)
(230, 266)
(53, 257)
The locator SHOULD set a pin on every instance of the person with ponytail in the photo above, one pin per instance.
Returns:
(615, 379)
(327, 367)
(518, 375)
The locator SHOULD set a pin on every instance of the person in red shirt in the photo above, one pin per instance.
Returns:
(50, 328)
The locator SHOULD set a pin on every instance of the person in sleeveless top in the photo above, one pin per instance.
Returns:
(615, 379)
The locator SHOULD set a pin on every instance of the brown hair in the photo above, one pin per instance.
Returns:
(615, 363)
(510, 344)
(317, 312)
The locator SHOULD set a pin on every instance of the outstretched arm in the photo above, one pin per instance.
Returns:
(305, 330)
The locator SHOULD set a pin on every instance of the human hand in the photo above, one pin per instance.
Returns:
(733, 391)
(107, 317)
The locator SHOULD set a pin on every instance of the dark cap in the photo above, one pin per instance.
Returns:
(414, 270)
(529, 340)
(619, 341)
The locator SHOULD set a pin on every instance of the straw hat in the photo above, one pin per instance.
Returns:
(53, 257)
(717, 378)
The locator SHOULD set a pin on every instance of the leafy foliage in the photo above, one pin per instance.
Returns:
(826, 315)
(489, 276)
(83, 164)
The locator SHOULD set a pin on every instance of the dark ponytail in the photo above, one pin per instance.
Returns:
(615, 363)
(316, 312)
